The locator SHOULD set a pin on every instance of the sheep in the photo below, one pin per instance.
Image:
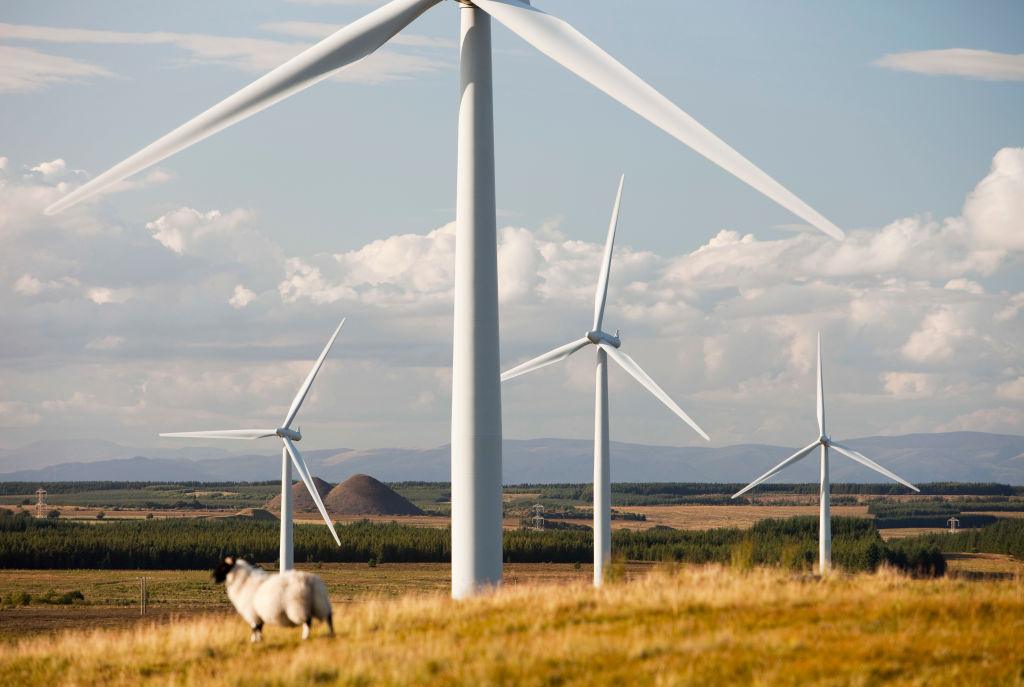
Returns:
(290, 598)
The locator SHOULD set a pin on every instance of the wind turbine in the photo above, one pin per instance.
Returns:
(476, 390)
(824, 506)
(289, 456)
(607, 346)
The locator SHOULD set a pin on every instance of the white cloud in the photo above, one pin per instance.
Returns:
(977, 64)
(241, 297)
(107, 343)
(965, 285)
(51, 169)
(909, 384)
(215, 235)
(252, 55)
(912, 340)
(28, 285)
(101, 295)
(18, 414)
(24, 70)
(410, 268)
(995, 209)
(1011, 309)
(938, 336)
(1012, 390)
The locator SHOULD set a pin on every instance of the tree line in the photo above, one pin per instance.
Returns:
(195, 543)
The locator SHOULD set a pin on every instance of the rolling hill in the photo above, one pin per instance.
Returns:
(952, 456)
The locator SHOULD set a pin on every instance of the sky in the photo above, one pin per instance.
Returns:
(197, 294)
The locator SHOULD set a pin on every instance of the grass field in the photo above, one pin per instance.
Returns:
(693, 626)
(112, 596)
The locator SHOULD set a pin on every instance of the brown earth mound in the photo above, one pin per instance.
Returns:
(363, 495)
(255, 514)
(302, 502)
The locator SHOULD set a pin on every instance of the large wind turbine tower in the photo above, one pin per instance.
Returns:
(476, 395)
(824, 441)
(290, 456)
(608, 346)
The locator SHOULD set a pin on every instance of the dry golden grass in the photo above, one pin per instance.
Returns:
(983, 564)
(710, 517)
(892, 533)
(112, 596)
(694, 626)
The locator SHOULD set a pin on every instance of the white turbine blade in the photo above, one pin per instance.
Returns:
(821, 394)
(630, 366)
(304, 389)
(560, 353)
(224, 434)
(867, 462)
(601, 295)
(789, 461)
(342, 48)
(574, 51)
(300, 467)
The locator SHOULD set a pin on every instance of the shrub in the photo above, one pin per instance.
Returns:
(53, 514)
(16, 599)
(60, 599)
(741, 556)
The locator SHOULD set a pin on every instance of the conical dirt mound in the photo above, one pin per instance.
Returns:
(363, 495)
(255, 514)
(302, 502)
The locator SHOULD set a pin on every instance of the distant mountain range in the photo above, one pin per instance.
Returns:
(953, 456)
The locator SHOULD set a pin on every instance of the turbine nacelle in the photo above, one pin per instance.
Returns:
(597, 336)
(286, 433)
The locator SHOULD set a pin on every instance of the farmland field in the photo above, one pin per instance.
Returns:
(112, 596)
(693, 625)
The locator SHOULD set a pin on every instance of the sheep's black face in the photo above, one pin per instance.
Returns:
(220, 573)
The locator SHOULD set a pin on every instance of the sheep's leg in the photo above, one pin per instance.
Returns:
(257, 632)
(330, 625)
(305, 628)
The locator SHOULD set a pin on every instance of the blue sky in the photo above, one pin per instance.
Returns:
(795, 86)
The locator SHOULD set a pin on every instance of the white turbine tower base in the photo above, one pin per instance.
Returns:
(824, 490)
(607, 347)
(289, 456)
(476, 400)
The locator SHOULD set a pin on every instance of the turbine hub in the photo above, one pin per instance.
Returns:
(286, 433)
(597, 336)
